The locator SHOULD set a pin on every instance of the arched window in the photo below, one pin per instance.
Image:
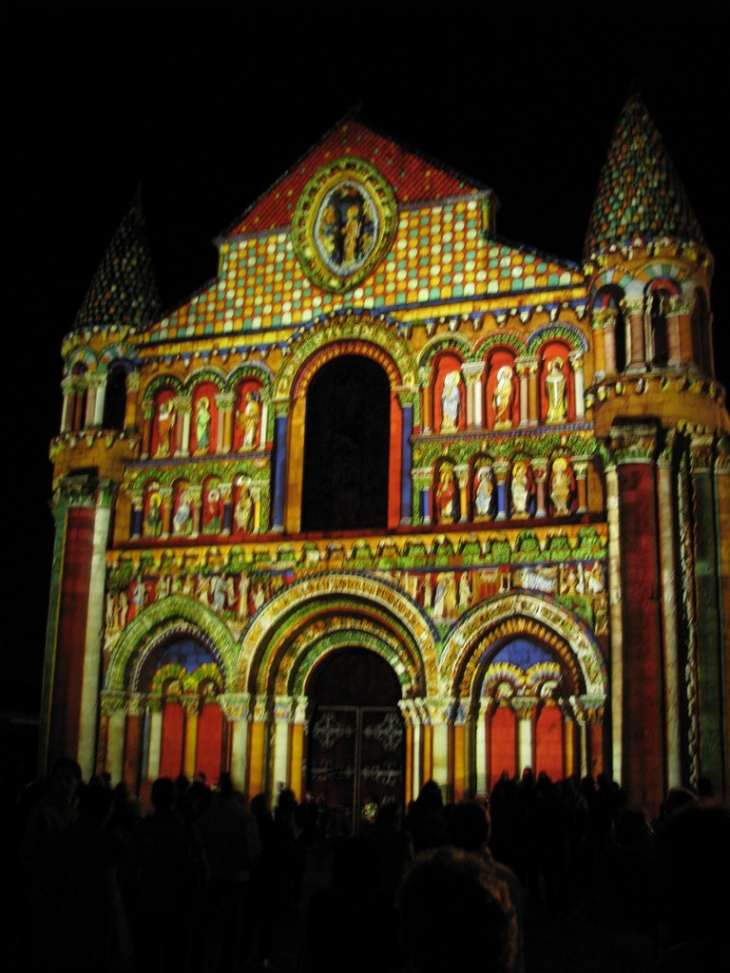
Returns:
(658, 304)
(115, 397)
(701, 334)
(347, 427)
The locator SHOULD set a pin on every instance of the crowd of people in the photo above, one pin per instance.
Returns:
(203, 880)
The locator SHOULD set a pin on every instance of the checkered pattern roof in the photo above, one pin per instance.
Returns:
(412, 177)
(639, 192)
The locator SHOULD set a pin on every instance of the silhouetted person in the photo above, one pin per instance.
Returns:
(451, 909)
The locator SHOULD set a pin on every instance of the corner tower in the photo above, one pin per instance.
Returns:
(661, 413)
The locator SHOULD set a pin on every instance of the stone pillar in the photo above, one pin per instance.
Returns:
(462, 476)
(166, 510)
(130, 406)
(501, 469)
(633, 308)
(80, 387)
(679, 329)
(280, 443)
(472, 373)
(134, 739)
(296, 748)
(523, 372)
(673, 677)
(191, 707)
(236, 709)
(576, 363)
(405, 400)
(439, 713)
(616, 613)
(539, 466)
(643, 695)
(482, 746)
(413, 776)
(280, 756)
(154, 748)
(257, 773)
(113, 709)
(421, 479)
(136, 498)
(710, 623)
(68, 389)
(184, 410)
(95, 399)
(425, 386)
(224, 403)
(524, 709)
(603, 321)
(462, 753)
(580, 470)
(196, 500)
(148, 418)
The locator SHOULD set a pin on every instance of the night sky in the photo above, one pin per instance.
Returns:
(204, 105)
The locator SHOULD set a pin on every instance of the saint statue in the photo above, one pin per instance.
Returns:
(484, 495)
(521, 489)
(202, 425)
(243, 513)
(502, 398)
(450, 402)
(249, 421)
(555, 388)
(165, 428)
(446, 497)
(153, 516)
(561, 487)
(212, 511)
(182, 522)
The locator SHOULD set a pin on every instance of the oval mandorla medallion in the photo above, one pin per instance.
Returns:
(344, 223)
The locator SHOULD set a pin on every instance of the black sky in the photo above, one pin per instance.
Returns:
(205, 104)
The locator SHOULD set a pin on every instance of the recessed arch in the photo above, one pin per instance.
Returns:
(473, 642)
(285, 635)
(157, 624)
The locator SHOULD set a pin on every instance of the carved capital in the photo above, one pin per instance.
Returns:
(235, 706)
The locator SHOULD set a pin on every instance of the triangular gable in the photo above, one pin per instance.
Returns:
(411, 176)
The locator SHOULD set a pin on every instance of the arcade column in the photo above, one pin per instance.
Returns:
(639, 689)
(72, 666)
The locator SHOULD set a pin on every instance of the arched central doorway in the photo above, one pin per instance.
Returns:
(356, 751)
(346, 446)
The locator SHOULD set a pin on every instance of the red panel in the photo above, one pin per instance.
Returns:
(549, 743)
(73, 610)
(173, 729)
(210, 742)
(643, 699)
(503, 746)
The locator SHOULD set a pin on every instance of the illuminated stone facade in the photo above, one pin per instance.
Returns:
(542, 561)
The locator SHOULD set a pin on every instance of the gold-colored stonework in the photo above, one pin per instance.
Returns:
(343, 223)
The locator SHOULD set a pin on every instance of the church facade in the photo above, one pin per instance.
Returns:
(393, 498)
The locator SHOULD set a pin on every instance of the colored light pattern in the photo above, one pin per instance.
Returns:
(440, 254)
(639, 192)
(123, 290)
(412, 176)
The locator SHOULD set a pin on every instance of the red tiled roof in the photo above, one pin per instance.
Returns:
(411, 176)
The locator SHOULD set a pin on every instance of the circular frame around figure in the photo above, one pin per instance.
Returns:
(344, 223)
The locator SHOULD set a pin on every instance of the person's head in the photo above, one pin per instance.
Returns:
(468, 825)
(451, 903)
(163, 795)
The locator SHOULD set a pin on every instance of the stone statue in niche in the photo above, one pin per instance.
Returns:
(484, 494)
(446, 497)
(249, 421)
(182, 522)
(521, 489)
(555, 388)
(450, 402)
(502, 398)
(165, 429)
(202, 425)
(561, 487)
(153, 516)
(243, 512)
(212, 511)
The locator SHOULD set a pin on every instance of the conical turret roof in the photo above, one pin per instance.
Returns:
(123, 290)
(639, 194)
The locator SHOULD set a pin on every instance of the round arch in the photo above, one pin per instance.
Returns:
(524, 615)
(173, 616)
(294, 629)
